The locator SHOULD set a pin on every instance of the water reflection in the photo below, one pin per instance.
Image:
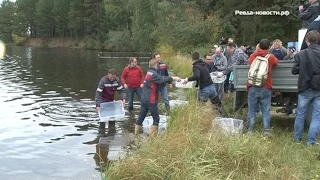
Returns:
(49, 125)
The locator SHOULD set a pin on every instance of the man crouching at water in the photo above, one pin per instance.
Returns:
(107, 87)
(149, 98)
(207, 88)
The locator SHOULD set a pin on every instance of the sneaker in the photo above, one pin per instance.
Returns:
(266, 134)
(249, 133)
(314, 144)
(297, 141)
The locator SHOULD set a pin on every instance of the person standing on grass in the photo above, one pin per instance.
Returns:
(162, 88)
(149, 99)
(260, 96)
(107, 87)
(132, 80)
(220, 61)
(307, 65)
(207, 89)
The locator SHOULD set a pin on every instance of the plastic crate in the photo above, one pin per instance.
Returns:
(180, 85)
(111, 111)
(228, 126)
(148, 121)
(176, 103)
(216, 79)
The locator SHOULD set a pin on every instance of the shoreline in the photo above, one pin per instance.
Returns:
(192, 149)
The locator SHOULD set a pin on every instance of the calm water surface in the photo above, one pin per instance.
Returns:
(49, 126)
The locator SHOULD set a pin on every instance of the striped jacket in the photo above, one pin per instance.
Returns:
(163, 71)
(151, 82)
(106, 90)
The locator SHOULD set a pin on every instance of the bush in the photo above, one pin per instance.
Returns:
(18, 40)
(118, 41)
(91, 43)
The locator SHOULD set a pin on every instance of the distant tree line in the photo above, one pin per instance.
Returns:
(142, 25)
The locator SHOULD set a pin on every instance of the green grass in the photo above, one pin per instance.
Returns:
(192, 149)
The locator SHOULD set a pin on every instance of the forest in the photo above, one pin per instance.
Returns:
(143, 25)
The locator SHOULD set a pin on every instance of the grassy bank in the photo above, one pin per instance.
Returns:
(191, 149)
(85, 43)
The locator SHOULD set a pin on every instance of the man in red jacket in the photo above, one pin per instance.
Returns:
(132, 79)
(261, 96)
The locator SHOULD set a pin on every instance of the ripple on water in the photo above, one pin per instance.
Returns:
(46, 131)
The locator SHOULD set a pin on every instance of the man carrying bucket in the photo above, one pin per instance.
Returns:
(107, 87)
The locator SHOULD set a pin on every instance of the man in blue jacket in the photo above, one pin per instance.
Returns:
(149, 98)
(162, 70)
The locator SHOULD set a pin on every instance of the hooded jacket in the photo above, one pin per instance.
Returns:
(151, 82)
(273, 61)
(220, 62)
(200, 74)
(307, 65)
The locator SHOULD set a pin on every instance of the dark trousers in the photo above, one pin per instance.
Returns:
(226, 83)
(153, 108)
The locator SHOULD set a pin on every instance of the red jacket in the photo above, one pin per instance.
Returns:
(273, 61)
(132, 76)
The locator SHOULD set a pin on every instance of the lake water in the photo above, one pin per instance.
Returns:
(49, 125)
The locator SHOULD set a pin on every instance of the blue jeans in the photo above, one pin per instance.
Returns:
(259, 97)
(305, 99)
(153, 108)
(131, 92)
(206, 93)
(164, 94)
(220, 89)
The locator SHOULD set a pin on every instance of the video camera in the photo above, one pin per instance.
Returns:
(304, 3)
(223, 41)
(249, 50)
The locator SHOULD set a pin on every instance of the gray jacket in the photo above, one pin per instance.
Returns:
(220, 62)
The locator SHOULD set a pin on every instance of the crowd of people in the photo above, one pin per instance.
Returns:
(221, 60)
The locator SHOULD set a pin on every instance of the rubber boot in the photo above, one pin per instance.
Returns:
(137, 129)
(153, 130)
(102, 125)
(218, 103)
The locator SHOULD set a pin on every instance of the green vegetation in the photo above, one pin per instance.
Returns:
(143, 25)
(192, 149)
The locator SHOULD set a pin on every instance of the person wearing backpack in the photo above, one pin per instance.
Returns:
(259, 85)
(307, 66)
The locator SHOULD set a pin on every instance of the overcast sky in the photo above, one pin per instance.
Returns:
(10, 0)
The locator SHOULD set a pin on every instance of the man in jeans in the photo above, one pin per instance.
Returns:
(261, 96)
(132, 80)
(149, 99)
(162, 88)
(207, 89)
(307, 65)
